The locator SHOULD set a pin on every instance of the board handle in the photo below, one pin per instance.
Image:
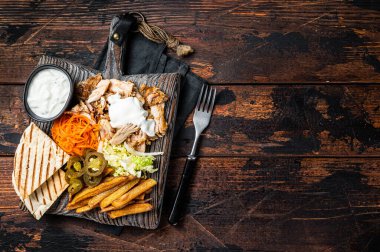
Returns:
(121, 25)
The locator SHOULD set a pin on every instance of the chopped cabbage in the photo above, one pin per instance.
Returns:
(126, 163)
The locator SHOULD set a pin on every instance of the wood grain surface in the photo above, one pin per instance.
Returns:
(327, 203)
(260, 120)
(235, 41)
(291, 160)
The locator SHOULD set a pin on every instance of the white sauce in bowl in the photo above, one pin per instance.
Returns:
(48, 92)
(129, 110)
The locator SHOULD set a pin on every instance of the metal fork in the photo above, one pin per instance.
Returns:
(201, 120)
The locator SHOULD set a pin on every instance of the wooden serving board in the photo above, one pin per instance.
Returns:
(168, 83)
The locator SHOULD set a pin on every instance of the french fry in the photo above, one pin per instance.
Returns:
(117, 194)
(108, 170)
(109, 178)
(77, 205)
(140, 197)
(143, 201)
(96, 199)
(131, 209)
(85, 209)
(106, 179)
(107, 209)
(99, 189)
(111, 207)
(149, 191)
(143, 186)
(78, 195)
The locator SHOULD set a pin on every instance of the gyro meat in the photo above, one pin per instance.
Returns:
(122, 133)
(99, 106)
(99, 91)
(123, 88)
(158, 112)
(106, 131)
(152, 95)
(141, 147)
(136, 139)
(80, 107)
(124, 112)
(84, 88)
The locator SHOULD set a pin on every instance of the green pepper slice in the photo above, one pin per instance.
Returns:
(90, 180)
(72, 174)
(73, 160)
(94, 163)
(75, 167)
(69, 174)
(88, 152)
(75, 186)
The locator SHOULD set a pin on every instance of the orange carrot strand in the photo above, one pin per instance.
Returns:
(74, 133)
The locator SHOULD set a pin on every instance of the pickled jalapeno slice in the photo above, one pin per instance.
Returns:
(91, 180)
(94, 163)
(75, 186)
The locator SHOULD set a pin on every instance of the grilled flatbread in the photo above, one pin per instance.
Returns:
(37, 158)
(44, 197)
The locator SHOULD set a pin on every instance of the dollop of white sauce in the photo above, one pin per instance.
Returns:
(48, 93)
(129, 110)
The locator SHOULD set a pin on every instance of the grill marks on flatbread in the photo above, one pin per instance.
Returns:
(37, 158)
(41, 159)
(46, 153)
(43, 198)
(24, 170)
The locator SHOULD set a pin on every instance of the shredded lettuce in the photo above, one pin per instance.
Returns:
(126, 163)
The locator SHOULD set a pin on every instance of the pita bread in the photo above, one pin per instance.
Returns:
(37, 158)
(43, 198)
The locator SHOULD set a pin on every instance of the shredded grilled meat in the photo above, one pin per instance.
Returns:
(84, 88)
(152, 95)
(158, 112)
(125, 89)
(93, 94)
(106, 131)
(123, 133)
(99, 91)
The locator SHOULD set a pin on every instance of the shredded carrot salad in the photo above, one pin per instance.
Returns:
(74, 133)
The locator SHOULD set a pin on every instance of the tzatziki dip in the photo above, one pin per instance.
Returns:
(129, 110)
(48, 92)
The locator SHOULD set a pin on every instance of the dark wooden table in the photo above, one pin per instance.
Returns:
(291, 160)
